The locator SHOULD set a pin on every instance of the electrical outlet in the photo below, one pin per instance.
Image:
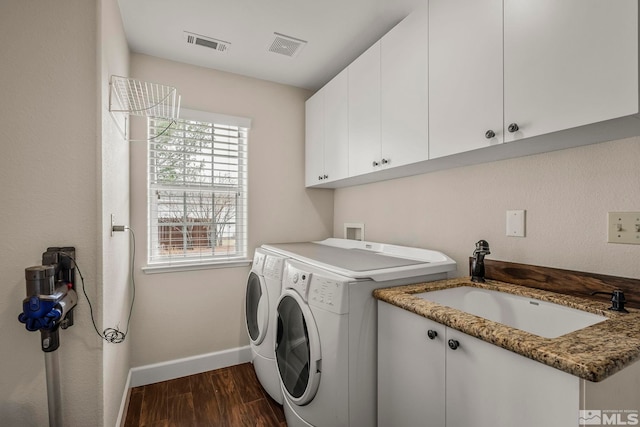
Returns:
(624, 227)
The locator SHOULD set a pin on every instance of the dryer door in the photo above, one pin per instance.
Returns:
(298, 353)
(256, 308)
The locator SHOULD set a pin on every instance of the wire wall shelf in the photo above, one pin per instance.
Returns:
(134, 97)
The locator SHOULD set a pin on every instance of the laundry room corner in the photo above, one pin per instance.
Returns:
(202, 311)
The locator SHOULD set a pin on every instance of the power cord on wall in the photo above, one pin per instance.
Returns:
(113, 335)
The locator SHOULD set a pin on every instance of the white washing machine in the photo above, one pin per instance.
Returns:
(326, 345)
(263, 290)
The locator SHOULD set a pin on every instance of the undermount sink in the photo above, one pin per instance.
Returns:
(542, 318)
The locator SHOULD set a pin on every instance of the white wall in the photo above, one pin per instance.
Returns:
(192, 313)
(50, 192)
(566, 194)
(114, 199)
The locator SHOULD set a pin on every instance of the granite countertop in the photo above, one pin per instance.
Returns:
(593, 353)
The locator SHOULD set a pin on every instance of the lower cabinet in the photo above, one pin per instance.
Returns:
(432, 375)
(489, 386)
(411, 369)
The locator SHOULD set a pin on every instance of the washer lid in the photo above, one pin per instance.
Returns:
(348, 259)
(357, 262)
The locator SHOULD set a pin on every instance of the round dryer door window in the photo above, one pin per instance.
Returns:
(256, 308)
(297, 348)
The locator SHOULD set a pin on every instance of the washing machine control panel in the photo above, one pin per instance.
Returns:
(328, 294)
(297, 279)
(317, 290)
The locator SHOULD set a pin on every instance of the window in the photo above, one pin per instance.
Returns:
(197, 189)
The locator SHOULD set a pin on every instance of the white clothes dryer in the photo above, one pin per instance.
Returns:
(263, 290)
(326, 341)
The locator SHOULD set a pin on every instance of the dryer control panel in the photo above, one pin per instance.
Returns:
(273, 266)
(258, 262)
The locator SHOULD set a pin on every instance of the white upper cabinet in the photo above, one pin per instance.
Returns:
(336, 124)
(326, 133)
(461, 82)
(568, 63)
(388, 99)
(364, 112)
(465, 75)
(404, 91)
(502, 71)
(314, 139)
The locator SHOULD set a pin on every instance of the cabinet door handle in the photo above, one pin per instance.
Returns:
(453, 344)
(489, 134)
(319, 177)
(432, 334)
(326, 176)
(375, 164)
(513, 127)
(385, 161)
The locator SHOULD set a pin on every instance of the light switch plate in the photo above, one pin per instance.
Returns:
(516, 223)
(624, 227)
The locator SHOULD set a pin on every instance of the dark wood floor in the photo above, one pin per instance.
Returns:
(228, 397)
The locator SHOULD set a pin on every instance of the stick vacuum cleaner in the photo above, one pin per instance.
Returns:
(48, 307)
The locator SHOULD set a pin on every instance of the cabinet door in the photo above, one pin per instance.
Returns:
(411, 369)
(465, 75)
(364, 112)
(404, 91)
(568, 63)
(336, 125)
(314, 139)
(488, 386)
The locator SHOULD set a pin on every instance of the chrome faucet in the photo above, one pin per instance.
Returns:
(477, 264)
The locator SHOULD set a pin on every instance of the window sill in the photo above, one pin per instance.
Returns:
(191, 266)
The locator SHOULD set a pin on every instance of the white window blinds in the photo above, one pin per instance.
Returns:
(197, 189)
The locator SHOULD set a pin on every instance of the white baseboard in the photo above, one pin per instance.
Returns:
(125, 402)
(178, 368)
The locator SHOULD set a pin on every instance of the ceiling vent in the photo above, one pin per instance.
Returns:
(285, 45)
(193, 39)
